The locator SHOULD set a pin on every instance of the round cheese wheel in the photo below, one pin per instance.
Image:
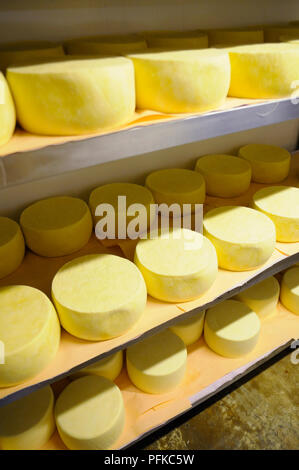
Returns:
(190, 330)
(28, 423)
(7, 112)
(30, 332)
(115, 45)
(269, 163)
(244, 238)
(225, 175)
(262, 298)
(181, 81)
(177, 266)
(235, 36)
(56, 226)
(109, 367)
(281, 204)
(90, 414)
(177, 39)
(231, 328)
(75, 96)
(158, 363)
(263, 70)
(289, 294)
(177, 186)
(273, 33)
(99, 296)
(16, 55)
(12, 246)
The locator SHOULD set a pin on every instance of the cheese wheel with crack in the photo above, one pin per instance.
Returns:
(244, 238)
(90, 414)
(12, 246)
(231, 328)
(262, 298)
(73, 97)
(28, 423)
(7, 112)
(30, 332)
(190, 330)
(157, 364)
(109, 367)
(289, 294)
(281, 204)
(235, 36)
(269, 163)
(105, 45)
(99, 296)
(177, 39)
(56, 226)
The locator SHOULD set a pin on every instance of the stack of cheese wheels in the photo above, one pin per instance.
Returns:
(263, 70)
(74, 96)
(14, 53)
(12, 246)
(262, 298)
(177, 265)
(158, 363)
(7, 112)
(108, 367)
(235, 36)
(90, 414)
(125, 199)
(181, 81)
(56, 226)
(281, 204)
(273, 33)
(105, 45)
(99, 296)
(244, 238)
(30, 331)
(28, 423)
(177, 39)
(231, 328)
(225, 175)
(190, 330)
(269, 163)
(289, 295)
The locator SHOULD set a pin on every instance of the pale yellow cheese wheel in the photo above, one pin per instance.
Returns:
(177, 265)
(181, 81)
(244, 238)
(262, 298)
(75, 96)
(56, 226)
(108, 367)
(7, 112)
(99, 296)
(231, 328)
(269, 163)
(281, 204)
(28, 423)
(235, 36)
(190, 330)
(30, 332)
(289, 294)
(16, 55)
(105, 45)
(263, 70)
(90, 414)
(177, 39)
(12, 246)
(158, 363)
(273, 33)
(177, 186)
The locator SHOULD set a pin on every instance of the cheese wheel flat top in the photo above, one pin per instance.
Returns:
(201, 55)
(281, 201)
(108, 194)
(264, 153)
(237, 224)
(8, 230)
(175, 181)
(222, 165)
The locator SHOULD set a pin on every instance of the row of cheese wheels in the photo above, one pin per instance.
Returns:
(90, 412)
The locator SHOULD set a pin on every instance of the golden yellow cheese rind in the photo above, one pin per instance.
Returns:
(262, 298)
(105, 45)
(109, 367)
(190, 330)
(12, 246)
(273, 33)
(177, 39)
(15, 57)
(7, 112)
(289, 294)
(235, 36)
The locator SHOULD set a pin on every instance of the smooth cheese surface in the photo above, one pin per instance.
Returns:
(7, 112)
(30, 331)
(263, 70)
(181, 81)
(99, 296)
(177, 266)
(108, 367)
(225, 175)
(158, 363)
(12, 246)
(17, 56)
(177, 39)
(56, 226)
(269, 163)
(90, 414)
(244, 238)
(115, 45)
(290, 290)
(262, 298)
(231, 328)
(281, 204)
(190, 330)
(73, 97)
(28, 423)
(236, 36)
